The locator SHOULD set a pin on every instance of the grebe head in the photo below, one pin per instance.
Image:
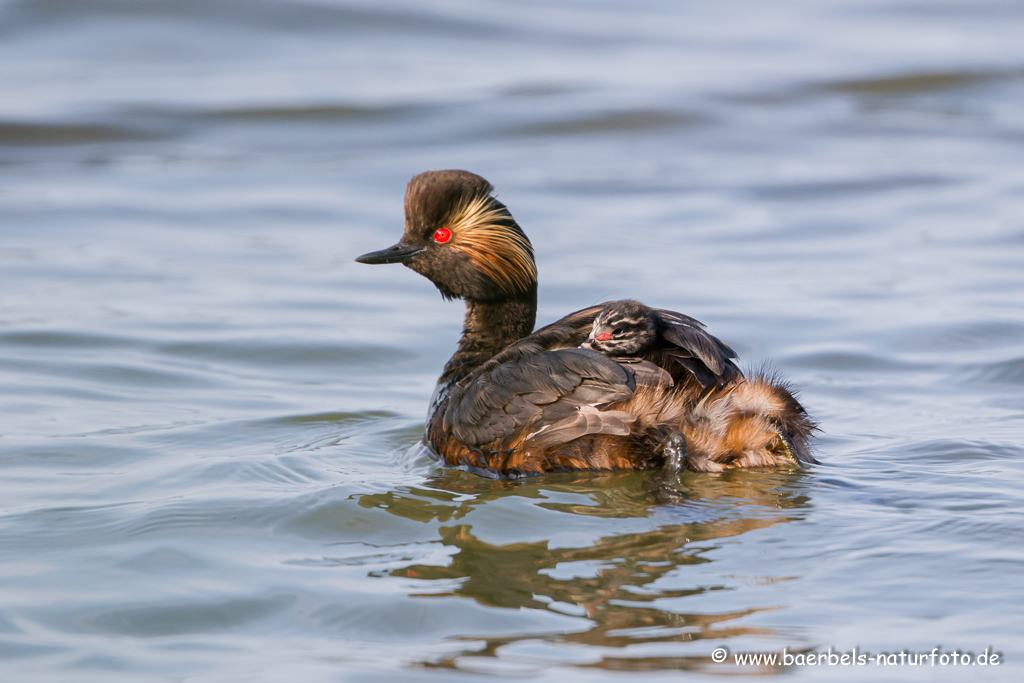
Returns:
(462, 239)
(623, 328)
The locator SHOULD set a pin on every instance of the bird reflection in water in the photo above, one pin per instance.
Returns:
(626, 579)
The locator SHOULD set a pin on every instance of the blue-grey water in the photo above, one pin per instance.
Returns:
(209, 414)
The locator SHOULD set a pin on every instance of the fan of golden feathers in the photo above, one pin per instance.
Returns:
(485, 231)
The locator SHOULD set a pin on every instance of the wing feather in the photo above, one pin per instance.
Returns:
(694, 347)
(562, 389)
(586, 420)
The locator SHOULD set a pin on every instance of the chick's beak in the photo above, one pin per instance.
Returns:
(396, 253)
(591, 343)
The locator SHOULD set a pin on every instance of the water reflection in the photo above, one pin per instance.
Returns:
(625, 587)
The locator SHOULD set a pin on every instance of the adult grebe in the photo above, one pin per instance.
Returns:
(653, 390)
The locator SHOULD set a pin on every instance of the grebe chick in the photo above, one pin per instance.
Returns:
(623, 328)
(514, 402)
(629, 329)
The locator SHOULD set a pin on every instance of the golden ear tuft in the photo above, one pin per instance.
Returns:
(484, 231)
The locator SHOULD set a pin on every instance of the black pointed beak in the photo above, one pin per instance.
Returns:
(397, 253)
(589, 344)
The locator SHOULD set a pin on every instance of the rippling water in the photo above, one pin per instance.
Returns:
(209, 461)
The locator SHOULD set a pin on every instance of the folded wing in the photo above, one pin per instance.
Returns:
(708, 358)
(550, 397)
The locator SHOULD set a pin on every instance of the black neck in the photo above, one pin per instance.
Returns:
(489, 327)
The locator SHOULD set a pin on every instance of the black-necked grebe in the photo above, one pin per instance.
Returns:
(650, 389)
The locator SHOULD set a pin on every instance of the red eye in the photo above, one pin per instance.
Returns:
(604, 336)
(442, 235)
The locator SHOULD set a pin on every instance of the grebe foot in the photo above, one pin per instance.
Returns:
(514, 473)
(674, 449)
(662, 484)
(785, 445)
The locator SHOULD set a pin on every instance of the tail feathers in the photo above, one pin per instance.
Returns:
(753, 422)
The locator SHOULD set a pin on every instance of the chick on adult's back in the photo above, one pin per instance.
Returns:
(512, 401)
